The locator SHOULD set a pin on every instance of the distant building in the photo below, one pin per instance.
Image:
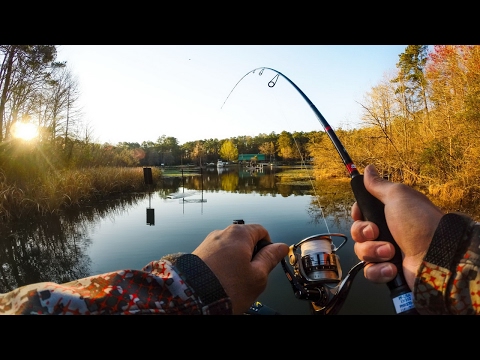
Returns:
(251, 157)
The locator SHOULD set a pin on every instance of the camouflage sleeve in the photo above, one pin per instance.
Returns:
(448, 281)
(175, 284)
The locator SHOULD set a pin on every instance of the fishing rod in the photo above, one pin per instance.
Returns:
(310, 265)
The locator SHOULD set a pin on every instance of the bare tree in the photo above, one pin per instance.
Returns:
(24, 69)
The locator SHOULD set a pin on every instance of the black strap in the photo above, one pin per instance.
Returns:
(201, 278)
(450, 240)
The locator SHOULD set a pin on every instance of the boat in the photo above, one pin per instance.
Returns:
(220, 163)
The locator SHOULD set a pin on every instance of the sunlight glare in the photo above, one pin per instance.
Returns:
(25, 131)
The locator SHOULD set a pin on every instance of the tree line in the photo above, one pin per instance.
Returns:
(419, 123)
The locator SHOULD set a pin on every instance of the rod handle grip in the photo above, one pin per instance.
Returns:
(260, 244)
(374, 210)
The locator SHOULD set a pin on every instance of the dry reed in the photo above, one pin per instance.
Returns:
(56, 190)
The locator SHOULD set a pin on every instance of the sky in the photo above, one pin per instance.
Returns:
(137, 93)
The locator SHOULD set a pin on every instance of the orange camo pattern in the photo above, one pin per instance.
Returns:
(439, 291)
(156, 289)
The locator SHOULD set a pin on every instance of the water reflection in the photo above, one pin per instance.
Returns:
(113, 234)
(40, 252)
(55, 248)
(59, 248)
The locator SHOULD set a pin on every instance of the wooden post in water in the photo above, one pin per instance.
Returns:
(147, 176)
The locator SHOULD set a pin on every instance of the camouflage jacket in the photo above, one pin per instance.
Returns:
(175, 284)
(448, 281)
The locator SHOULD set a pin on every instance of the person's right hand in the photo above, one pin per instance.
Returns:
(411, 218)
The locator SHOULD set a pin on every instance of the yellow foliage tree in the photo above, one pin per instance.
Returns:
(228, 151)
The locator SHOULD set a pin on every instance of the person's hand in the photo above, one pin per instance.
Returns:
(411, 218)
(228, 253)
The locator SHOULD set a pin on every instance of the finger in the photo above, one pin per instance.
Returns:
(380, 273)
(375, 184)
(269, 257)
(256, 233)
(374, 251)
(364, 231)
(244, 236)
(355, 212)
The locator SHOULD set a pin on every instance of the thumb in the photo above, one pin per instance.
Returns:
(375, 184)
(269, 256)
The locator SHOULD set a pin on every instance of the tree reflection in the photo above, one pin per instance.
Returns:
(332, 198)
(54, 247)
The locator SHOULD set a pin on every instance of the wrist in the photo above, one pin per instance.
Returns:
(435, 275)
(205, 284)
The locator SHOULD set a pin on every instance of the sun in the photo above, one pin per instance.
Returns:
(25, 131)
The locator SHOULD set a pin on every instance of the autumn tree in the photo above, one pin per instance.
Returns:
(212, 149)
(285, 146)
(300, 141)
(379, 111)
(393, 132)
(198, 152)
(267, 148)
(454, 79)
(228, 151)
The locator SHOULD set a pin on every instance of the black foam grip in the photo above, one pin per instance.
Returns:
(373, 210)
(260, 244)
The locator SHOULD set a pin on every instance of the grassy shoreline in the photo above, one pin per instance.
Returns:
(55, 191)
(58, 190)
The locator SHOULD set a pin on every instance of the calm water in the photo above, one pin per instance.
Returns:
(176, 217)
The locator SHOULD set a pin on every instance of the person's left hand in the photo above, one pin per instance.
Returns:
(228, 253)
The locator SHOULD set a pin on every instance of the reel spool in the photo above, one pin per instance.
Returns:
(317, 262)
(317, 274)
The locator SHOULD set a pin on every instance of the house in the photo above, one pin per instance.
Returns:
(248, 158)
(251, 160)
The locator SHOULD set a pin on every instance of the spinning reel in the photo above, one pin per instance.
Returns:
(316, 275)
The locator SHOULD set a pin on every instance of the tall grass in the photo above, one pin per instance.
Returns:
(52, 191)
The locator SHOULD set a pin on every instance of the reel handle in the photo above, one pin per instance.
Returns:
(373, 210)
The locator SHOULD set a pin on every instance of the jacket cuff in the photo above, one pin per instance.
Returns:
(204, 282)
(436, 274)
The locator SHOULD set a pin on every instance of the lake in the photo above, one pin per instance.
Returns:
(176, 216)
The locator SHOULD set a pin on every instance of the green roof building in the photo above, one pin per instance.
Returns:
(250, 157)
